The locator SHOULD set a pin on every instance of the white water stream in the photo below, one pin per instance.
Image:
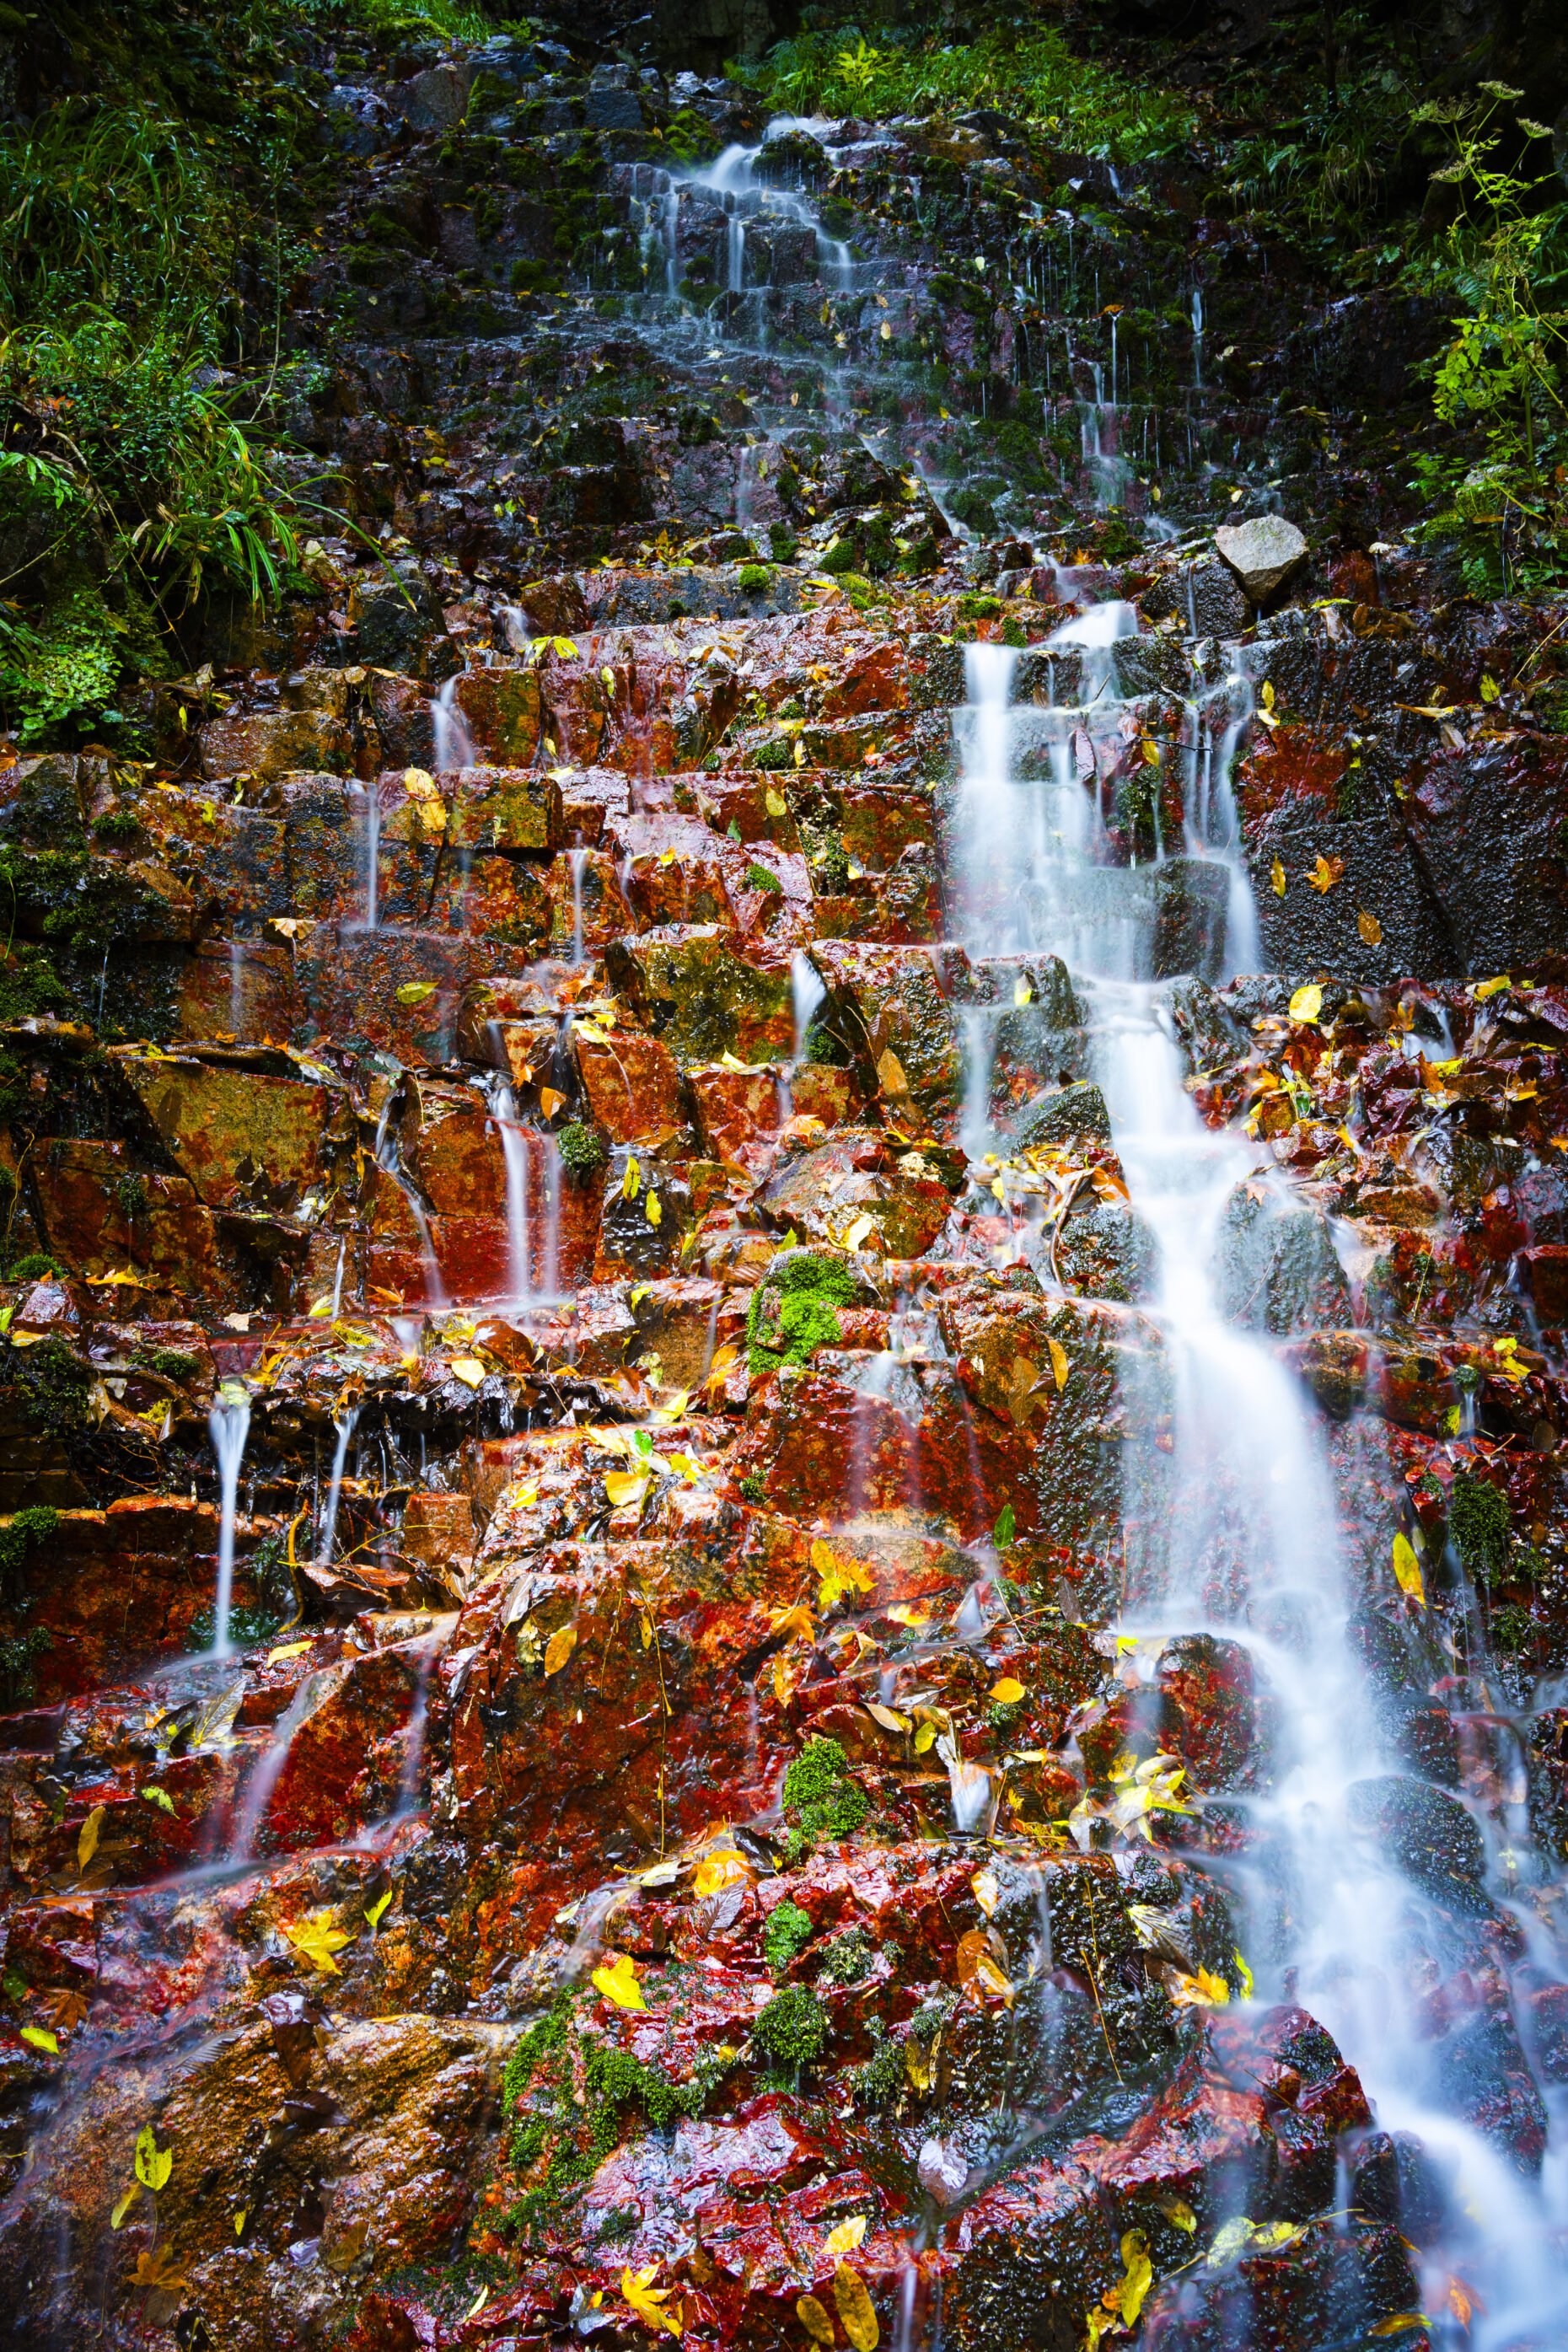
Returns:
(1241, 1539)
(228, 1424)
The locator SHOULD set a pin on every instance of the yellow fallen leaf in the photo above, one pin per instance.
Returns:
(925, 1737)
(41, 2039)
(1370, 928)
(856, 1232)
(917, 2065)
(550, 1102)
(1178, 2213)
(317, 1940)
(1307, 1003)
(1492, 987)
(623, 1485)
(888, 1716)
(415, 992)
(847, 2236)
(123, 2205)
(87, 1837)
(775, 802)
(1138, 2279)
(1060, 1363)
(1407, 1571)
(855, 2309)
(1489, 686)
(814, 2319)
(1022, 993)
(468, 1370)
(1277, 879)
(1202, 1991)
(631, 1181)
(646, 2300)
(286, 1650)
(1266, 695)
(617, 1979)
(652, 1210)
(1326, 872)
(1006, 1693)
(1151, 750)
(904, 1612)
(559, 1648)
(717, 1871)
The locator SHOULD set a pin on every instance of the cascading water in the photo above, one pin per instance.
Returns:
(345, 1429)
(228, 1424)
(514, 1150)
(1238, 1535)
(454, 744)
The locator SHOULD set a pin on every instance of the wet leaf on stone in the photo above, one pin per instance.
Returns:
(1022, 993)
(917, 2065)
(891, 1073)
(41, 2038)
(124, 2204)
(87, 1837)
(888, 1716)
(1370, 928)
(855, 2309)
(652, 1210)
(617, 1979)
(1407, 1571)
(317, 1940)
(847, 2236)
(415, 992)
(160, 2269)
(1178, 2213)
(1277, 879)
(986, 1891)
(624, 1486)
(717, 1871)
(814, 2319)
(154, 2164)
(468, 1370)
(1060, 1363)
(631, 1182)
(1006, 1523)
(974, 1962)
(1138, 2275)
(1307, 1003)
(374, 1911)
(925, 1739)
(859, 1230)
(1007, 1693)
(559, 1648)
(838, 1577)
(1203, 1990)
(162, 1798)
(1326, 872)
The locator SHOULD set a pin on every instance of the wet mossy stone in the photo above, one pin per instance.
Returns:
(1067, 1115)
(822, 1799)
(1108, 1250)
(1277, 1269)
(1427, 1834)
(1478, 1525)
(793, 1308)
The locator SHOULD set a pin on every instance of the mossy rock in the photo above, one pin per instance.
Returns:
(793, 1308)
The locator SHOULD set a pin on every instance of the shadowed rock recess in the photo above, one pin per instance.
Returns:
(784, 1170)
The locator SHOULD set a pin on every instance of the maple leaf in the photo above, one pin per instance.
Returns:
(648, 2301)
(160, 2269)
(317, 1938)
(616, 1980)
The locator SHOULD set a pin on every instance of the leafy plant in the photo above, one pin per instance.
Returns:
(1505, 254)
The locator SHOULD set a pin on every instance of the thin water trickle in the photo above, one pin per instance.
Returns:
(345, 1429)
(228, 1425)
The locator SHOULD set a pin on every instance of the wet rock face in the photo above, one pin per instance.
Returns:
(642, 1689)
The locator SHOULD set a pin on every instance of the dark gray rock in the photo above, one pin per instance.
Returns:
(1277, 1270)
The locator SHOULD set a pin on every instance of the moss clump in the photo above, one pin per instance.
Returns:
(880, 2084)
(793, 1312)
(54, 1385)
(762, 877)
(559, 2137)
(788, 1931)
(171, 1363)
(979, 608)
(755, 579)
(1512, 1629)
(821, 1798)
(35, 1525)
(580, 1150)
(773, 754)
(1478, 1524)
(117, 828)
(753, 1488)
(849, 1958)
(840, 557)
(791, 2031)
(37, 1266)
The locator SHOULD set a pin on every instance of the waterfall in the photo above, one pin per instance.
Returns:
(514, 1151)
(228, 1425)
(806, 994)
(372, 852)
(345, 1429)
(1232, 1525)
(454, 744)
